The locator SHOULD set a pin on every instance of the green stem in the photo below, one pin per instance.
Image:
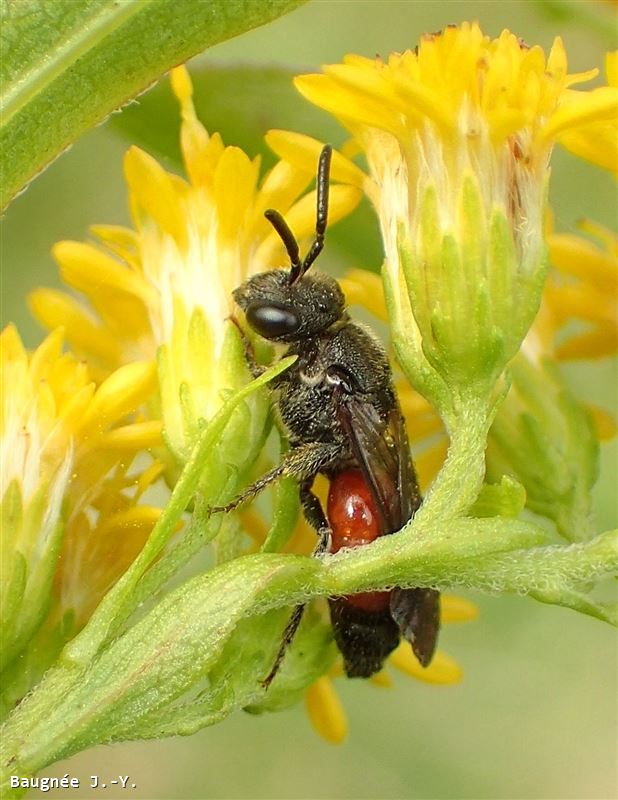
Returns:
(441, 553)
(459, 481)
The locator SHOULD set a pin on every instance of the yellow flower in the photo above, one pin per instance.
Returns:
(325, 710)
(57, 434)
(459, 101)
(167, 286)
(457, 136)
(598, 141)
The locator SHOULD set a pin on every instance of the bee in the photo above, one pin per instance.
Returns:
(339, 408)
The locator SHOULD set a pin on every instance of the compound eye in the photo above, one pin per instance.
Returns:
(272, 321)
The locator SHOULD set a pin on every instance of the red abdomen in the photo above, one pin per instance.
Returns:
(354, 522)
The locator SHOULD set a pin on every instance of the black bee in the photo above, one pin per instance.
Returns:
(339, 408)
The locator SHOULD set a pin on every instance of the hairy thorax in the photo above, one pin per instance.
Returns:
(309, 392)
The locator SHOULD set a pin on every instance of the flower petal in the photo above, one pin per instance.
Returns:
(325, 711)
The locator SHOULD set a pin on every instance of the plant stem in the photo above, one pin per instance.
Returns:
(459, 481)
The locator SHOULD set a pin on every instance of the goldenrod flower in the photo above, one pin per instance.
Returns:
(167, 287)
(55, 433)
(457, 136)
(460, 102)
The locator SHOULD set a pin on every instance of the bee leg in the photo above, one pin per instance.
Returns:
(251, 491)
(314, 514)
(254, 368)
(302, 462)
(288, 635)
(299, 462)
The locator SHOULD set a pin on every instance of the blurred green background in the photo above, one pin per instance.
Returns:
(536, 715)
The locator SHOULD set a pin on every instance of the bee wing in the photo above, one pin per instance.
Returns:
(417, 614)
(382, 451)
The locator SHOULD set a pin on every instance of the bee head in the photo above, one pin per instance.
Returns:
(287, 306)
(286, 312)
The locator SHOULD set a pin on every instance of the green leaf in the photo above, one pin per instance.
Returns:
(285, 516)
(67, 65)
(310, 655)
(505, 499)
(168, 653)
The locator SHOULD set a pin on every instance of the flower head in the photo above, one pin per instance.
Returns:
(457, 136)
(166, 287)
(60, 436)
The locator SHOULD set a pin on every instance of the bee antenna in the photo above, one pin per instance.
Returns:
(298, 268)
(288, 239)
(322, 208)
